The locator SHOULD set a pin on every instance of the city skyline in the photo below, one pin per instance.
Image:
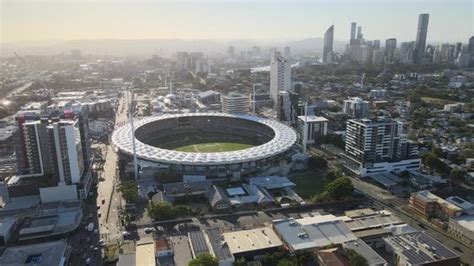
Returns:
(232, 20)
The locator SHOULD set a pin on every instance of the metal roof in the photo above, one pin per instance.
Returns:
(285, 137)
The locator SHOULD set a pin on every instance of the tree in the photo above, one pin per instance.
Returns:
(457, 175)
(340, 188)
(437, 151)
(355, 259)
(166, 211)
(240, 262)
(286, 262)
(432, 161)
(129, 191)
(316, 162)
(204, 259)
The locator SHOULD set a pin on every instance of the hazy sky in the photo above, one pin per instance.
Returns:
(450, 20)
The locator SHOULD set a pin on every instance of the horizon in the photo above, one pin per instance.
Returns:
(53, 21)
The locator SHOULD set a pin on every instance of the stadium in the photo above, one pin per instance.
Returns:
(211, 144)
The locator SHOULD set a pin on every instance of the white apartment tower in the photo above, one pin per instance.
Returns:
(356, 107)
(378, 145)
(235, 103)
(280, 76)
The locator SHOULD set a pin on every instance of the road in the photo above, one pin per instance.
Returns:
(108, 197)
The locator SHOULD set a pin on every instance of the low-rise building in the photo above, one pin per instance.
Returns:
(427, 204)
(360, 247)
(145, 253)
(7, 227)
(312, 233)
(463, 228)
(252, 243)
(55, 253)
(419, 249)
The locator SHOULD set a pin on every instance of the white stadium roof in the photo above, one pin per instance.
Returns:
(285, 137)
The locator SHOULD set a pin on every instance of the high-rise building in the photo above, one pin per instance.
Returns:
(376, 44)
(378, 57)
(406, 52)
(353, 31)
(280, 76)
(458, 49)
(356, 107)
(390, 47)
(421, 33)
(231, 51)
(287, 106)
(256, 51)
(235, 103)
(52, 152)
(378, 145)
(470, 51)
(287, 52)
(360, 36)
(328, 44)
(317, 127)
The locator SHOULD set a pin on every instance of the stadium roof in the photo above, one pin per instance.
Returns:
(283, 140)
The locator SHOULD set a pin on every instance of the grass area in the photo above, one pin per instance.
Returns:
(214, 147)
(436, 100)
(310, 182)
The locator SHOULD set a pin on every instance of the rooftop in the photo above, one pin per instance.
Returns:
(313, 118)
(365, 251)
(250, 240)
(430, 197)
(461, 203)
(374, 221)
(271, 182)
(313, 232)
(46, 253)
(145, 254)
(466, 221)
(419, 248)
(198, 243)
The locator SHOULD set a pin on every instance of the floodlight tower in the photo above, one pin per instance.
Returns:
(130, 119)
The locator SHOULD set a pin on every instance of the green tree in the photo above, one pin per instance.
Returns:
(204, 259)
(129, 191)
(161, 211)
(240, 262)
(316, 162)
(437, 151)
(458, 175)
(340, 188)
(355, 259)
(432, 161)
(287, 262)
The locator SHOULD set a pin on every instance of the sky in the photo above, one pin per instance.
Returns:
(278, 20)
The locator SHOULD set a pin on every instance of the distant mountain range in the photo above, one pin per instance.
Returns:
(146, 47)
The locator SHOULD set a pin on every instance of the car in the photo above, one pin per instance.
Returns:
(103, 200)
(149, 230)
(98, 206)
(101, 242)
(91, 216)
(125, 234)
(88, 261)
(99, 214)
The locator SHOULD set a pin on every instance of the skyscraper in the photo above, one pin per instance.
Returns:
(353, 31)
(328, 43)
(359, 33)
(287, 52)
(420, 43)
(280, 76)
(390, 47)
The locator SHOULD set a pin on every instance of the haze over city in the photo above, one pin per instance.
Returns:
(260, 22)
